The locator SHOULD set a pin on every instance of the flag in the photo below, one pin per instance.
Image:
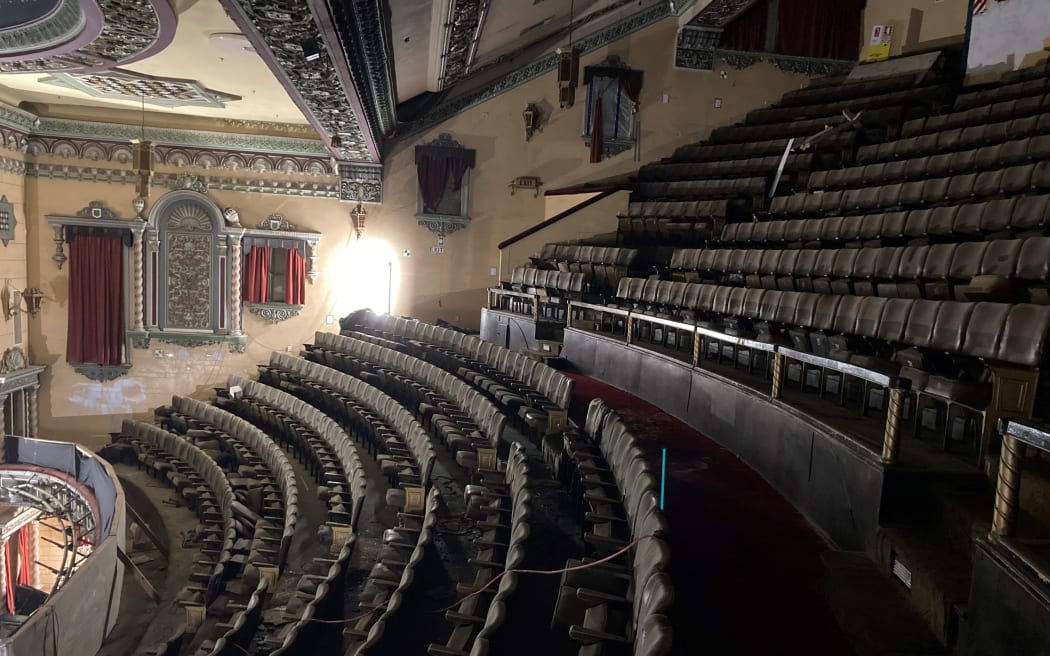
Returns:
(979, 7)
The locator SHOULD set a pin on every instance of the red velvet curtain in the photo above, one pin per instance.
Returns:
(25, 575)
(432, 173)
(9, 577)
(96, 309)
(819, 28)
(295, 288)
(631, 85)
(456, 168)
(596, 132)
(748, 32)
(256, 274)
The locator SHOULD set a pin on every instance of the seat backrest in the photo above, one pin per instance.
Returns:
(985, 329)
(1033, 260)
(918, 330)
(894, 319)
(753, 303)
(950, 326)
(869, 316)
(825, 311)
(735, 305)
(967, 261)
(1001, 257)
(846, 314)
(787, 308)
(1023, 338)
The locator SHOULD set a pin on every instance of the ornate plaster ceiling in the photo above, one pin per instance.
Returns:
(180, 78)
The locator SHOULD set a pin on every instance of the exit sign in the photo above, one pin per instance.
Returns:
(437, 250)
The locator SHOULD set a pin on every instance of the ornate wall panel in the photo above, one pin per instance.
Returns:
(189, 280)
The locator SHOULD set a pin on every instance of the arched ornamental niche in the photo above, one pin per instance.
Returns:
(183, 276)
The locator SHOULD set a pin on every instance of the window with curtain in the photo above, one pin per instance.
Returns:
(96, 294)
(274, 275)
(443, 176)
(610, 120)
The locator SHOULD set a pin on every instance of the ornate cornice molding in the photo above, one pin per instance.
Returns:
(13, 140)
(463, 27)
(120, 32)
(697, 41)
(204, 139)
(174, 181)
(542, 66)
(14, 166)
(362, 30)
(17, 119)
(807, 65)
(278, 29)
(212, 158)
(719, 13)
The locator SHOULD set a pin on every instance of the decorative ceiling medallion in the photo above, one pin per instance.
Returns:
(119, 84)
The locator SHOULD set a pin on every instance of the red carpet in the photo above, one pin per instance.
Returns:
(746, 565)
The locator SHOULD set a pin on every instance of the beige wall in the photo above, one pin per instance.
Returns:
(429, 286)
(451, 285)
(12, 256)
(941, 19)
(74, 407)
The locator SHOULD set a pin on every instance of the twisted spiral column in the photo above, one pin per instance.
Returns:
(892, 438)
(136, 265)
(34, 411)
(235, 286)
(1008, 488)
(778, 376)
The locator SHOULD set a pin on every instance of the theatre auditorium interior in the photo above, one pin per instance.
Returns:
(524, 327)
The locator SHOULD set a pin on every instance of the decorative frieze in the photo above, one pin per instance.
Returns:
(360, 182)
(172, 181)
(274, 312)
(811, 66)
(102, 373)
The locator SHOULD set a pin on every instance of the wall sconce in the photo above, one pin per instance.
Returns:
(532, 120)
(358, 215)
(32, 297)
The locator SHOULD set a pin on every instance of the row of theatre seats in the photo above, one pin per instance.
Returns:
(1017, 216)
(203, 485)
(985, 158)
(499, 500)
(531, 391)
(950, 141)
(616, 490)
(941, 347)
(460, 415)
(501, 504)
(319, 443)
(404, 548)
(264, 479)
(403, 449)
(396, 388)
(1013, 180)
(979, 270)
